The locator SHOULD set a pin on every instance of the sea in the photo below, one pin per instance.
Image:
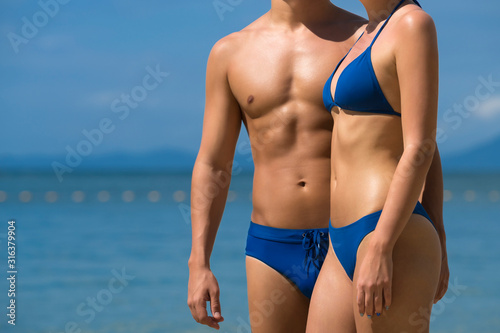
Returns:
(108, 253)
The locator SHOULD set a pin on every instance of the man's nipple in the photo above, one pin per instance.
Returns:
(250, 99)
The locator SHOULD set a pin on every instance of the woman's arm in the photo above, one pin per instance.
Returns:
(416, 56)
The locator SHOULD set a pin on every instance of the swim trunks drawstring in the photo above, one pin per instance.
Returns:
(315, 243)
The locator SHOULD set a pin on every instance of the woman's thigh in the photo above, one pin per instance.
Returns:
(416, 267)
(331, 301)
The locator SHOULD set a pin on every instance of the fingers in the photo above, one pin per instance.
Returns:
(361, 301)
(378, 301)
(365, 301)
(215, 305)
(374, 302)
(200, 312)
(204, 319)
(369, 303)
(387, 296)
(198, 309)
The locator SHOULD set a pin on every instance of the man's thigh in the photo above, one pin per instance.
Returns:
(275, 303)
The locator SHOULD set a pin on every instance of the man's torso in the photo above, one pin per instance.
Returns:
(277, 77)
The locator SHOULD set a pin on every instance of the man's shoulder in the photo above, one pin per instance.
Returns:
(239, 38)
(225, 47)
(228, 46)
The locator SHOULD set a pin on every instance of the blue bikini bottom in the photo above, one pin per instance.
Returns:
(346, 240)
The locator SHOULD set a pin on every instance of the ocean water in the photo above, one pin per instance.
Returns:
(108, 253)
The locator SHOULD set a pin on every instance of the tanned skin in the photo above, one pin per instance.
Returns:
(270, 77)
(381, 163)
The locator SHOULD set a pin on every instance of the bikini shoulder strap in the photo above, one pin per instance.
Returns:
(388, 18)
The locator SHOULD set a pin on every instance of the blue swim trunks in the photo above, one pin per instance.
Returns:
(297, 254)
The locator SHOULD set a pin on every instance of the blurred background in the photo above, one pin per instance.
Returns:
(101, 114)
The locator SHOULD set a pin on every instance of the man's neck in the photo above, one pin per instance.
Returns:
(296, 13)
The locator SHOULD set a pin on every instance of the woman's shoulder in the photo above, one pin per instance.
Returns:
(415, 34)
(414, 21)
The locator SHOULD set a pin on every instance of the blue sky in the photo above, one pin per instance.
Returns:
(74, 69)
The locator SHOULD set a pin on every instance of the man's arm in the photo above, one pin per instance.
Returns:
(210, 183)
(432, 200)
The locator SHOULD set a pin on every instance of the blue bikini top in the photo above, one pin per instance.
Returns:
(357, 87)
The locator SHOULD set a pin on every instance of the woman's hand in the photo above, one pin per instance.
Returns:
(374, 281)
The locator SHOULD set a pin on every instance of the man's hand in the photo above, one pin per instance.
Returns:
(444, 277)
(203, 288)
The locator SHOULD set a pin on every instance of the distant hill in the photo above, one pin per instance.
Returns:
(165, 160)
(485, 158)
(155, 160)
